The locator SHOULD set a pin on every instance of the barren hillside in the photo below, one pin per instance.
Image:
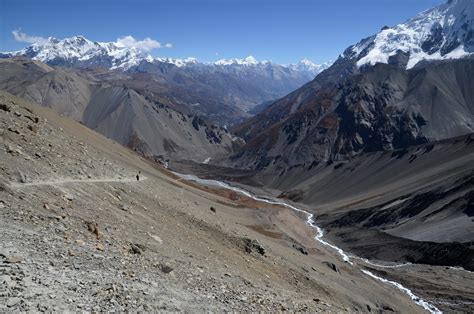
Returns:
(80, 233)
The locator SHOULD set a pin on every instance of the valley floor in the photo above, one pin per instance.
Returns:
(79, 232)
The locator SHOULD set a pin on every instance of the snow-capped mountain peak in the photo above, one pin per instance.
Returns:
(443, 32)
(307, 65)
(249, 61)
(308, 62)
(177, 62)
(80, 51)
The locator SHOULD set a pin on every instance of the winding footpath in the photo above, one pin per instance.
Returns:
(65, 181)
(319, 238)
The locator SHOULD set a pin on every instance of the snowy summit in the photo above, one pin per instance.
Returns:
(249, 61)
(443, 32)
(79, 51)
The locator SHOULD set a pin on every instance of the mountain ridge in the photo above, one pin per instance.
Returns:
(224, 91)
(148, 126)
(82, 52)
(443, 32)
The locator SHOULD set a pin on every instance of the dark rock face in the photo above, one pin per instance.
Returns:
(331, 266)
(301, 249)
(253, 246)
(435, 39)
(383, 107)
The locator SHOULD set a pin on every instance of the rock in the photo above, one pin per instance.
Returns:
(156, 238)
(11, 302)
(99, 247)
(33, 128)
(5, 107)
(301, 249)
(166, 269)
(38, 155)
(10, 149)
(17, 113)
(5, 279)
(387, 308)
(13, 130)
(17, 151)
(93, 228)
(137, 248)
(212, 209)
(253, 245)
(22, 177)
(331, 266)
(14, 259)
(27, 281)
(33, 119)
(68, 197)
(5, 188)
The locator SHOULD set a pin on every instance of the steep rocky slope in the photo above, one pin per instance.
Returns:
(423, 194)
(383, 108)
(118, 112)
(79, 232)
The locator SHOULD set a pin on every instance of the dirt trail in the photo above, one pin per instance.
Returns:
(64, 181)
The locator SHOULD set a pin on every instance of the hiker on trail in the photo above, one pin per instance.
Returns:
(138, 175)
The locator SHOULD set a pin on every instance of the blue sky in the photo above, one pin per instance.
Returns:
(283, 31)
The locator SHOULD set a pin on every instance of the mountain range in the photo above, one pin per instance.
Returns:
(121, 113)
(192, 103)
(224, 90)
(78, 51)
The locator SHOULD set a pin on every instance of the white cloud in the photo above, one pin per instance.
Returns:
(146, 44)
(25, 38)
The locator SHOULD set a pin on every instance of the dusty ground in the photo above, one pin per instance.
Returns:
(79, 233)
